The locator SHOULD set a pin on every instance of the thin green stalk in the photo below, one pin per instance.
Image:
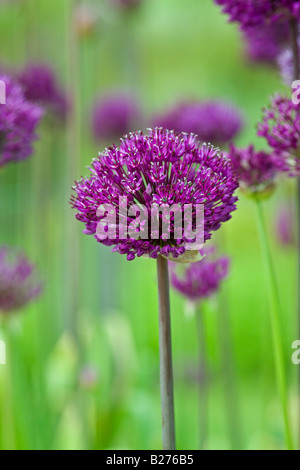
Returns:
(275, 318)
(165, 350)
(203, 378)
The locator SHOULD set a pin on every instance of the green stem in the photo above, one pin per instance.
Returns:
(203, 378)
(275, 317)
(165, 350)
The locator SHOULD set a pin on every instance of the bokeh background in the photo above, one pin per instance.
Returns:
(82, 360)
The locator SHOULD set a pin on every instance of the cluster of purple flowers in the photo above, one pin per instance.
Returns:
(161, 168)
(255, 12)
(18, 284)
(114, 116)
(201, 279)
(264, 43)
(18, 121)
(216, 122)
(281, 129)
(256, 170)
(40, 86)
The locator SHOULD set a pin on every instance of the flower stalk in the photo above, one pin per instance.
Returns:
(165, 348)
(275, 318)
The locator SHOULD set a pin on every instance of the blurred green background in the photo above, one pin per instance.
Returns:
(82, 361)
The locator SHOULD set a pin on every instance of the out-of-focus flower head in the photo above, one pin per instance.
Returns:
(285, 227)
(18, 122)
(286, 65)
(86, 19)
(216, 122)
(159, 169)
(255, 12)
(89, 377)
(202, 279)
(18, 280)
(41, 86)
(256, 170)
(264, 43)
(114, 116)
(281, 128)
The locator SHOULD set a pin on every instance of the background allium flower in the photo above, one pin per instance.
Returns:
(215, 122)
(86, 19)
(18, 280)
(264, 43)
(201, 279)
(159, 168)
(286, 65)
(285, 227)
(255, 12)
(113, 116)
(18, 121)
(281, 129)
(255, 170)
(40, 86)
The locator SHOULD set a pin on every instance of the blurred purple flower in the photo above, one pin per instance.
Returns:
(286, 65)
(281, 129)
(40, 86)
(18, 121)
(18, 280)
(285, 225)
(202, 279)
(216, 122)
(158, 168)
(114, 116)
(264, 43)
(256, 171)
(255, 12)
(89, 377)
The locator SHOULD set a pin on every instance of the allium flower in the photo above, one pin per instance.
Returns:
(264, 43)
(256, 171)
(285, 228)
(201, 279)
(18, 121)
(86, 19)
(255, 12)
(18, 281)
(160, 168)
(216, 122)
(281, 129)
(286, 65)
(113, 116)
(40, 86)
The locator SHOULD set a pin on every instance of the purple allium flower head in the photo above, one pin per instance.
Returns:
(18, 121)
(286, 65)
(18, 280)
(202, 279)
(254, 12)
(114, 115)
(281, 129)
(41, 86)
(256, 171)
(216, 122)
(285, 225)
(264, 43)
(161, 168)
